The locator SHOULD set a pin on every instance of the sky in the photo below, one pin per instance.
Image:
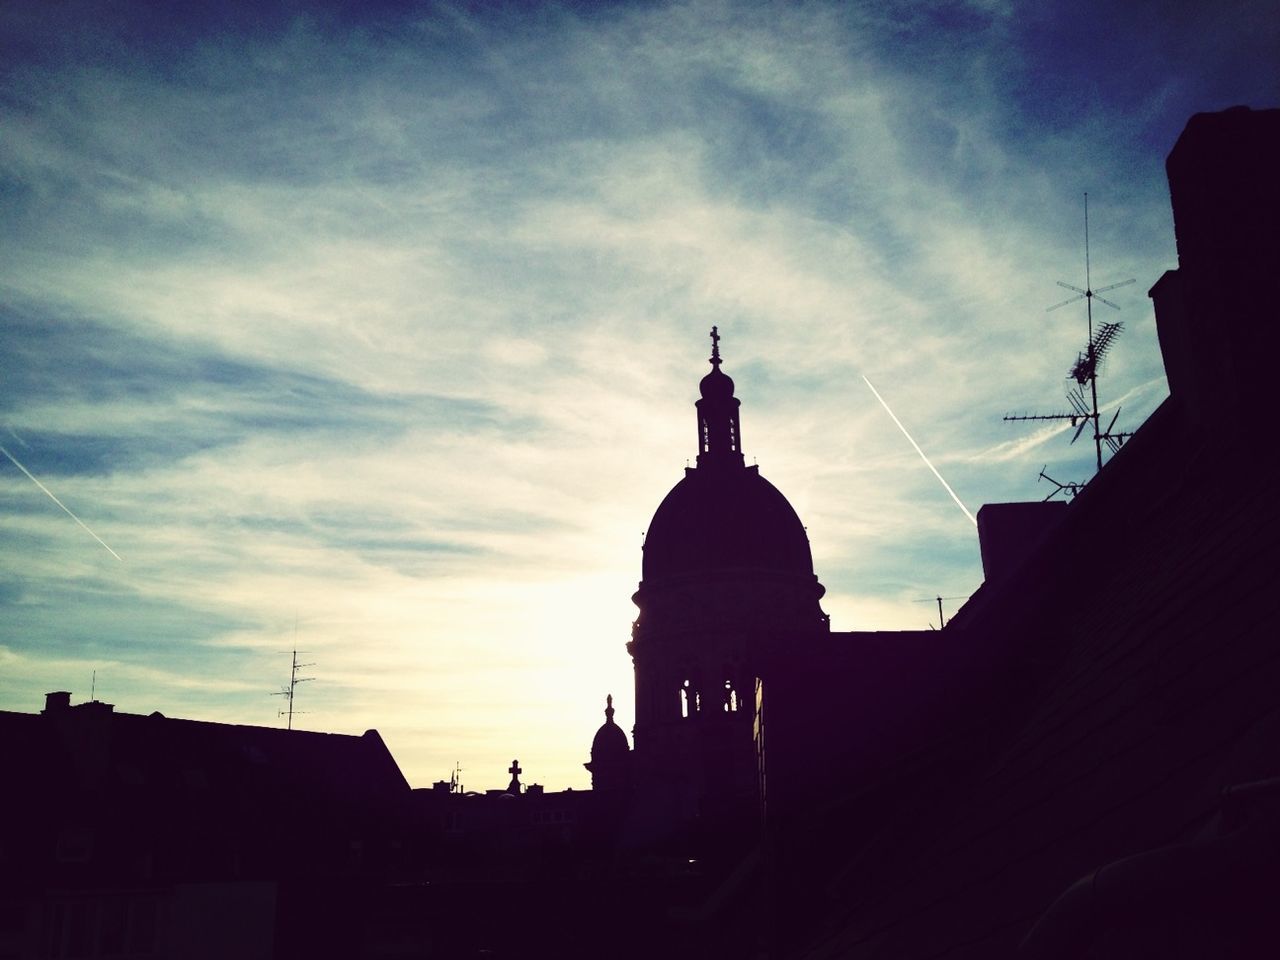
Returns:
(374, 331)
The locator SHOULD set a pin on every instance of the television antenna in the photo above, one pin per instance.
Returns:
(1069, 489)
(1084, 409)
(941, 622)
(289, 691)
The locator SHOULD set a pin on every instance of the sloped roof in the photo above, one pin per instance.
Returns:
(151, 796)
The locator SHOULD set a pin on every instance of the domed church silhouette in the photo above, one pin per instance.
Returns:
(727, 582)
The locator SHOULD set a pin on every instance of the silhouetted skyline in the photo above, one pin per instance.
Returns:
(391, 328)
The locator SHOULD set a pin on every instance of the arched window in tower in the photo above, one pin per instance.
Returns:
(730, 697)
(685, 699)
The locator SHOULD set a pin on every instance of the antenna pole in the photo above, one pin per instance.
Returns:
(1093, 386)
(938, 600)
(1088, 278)
(1086, 367)
(289, 691)
(1088, 309)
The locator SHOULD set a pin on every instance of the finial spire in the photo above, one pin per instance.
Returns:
(715, 347)
(608, 709)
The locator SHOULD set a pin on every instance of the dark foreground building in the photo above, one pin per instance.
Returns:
(124, 835)
(132, 836)
(1082, 764)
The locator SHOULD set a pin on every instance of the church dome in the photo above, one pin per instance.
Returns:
(610, 762)
(730, 519)
(610, 742)
(723, 515)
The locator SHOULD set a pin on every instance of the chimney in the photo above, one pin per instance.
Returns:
(1007, 533)
(1215, 315)
(57, 702)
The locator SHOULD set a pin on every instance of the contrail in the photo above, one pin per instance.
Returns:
(921, 452)
(58, 502)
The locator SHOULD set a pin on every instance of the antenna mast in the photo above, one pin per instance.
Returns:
(288, 692)
(941, 621)
(1084, 410)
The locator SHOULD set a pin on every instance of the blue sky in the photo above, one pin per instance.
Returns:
(379, 331)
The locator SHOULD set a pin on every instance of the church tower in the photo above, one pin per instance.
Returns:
(610, 763)
(727, 584)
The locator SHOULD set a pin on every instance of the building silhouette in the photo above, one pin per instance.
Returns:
(148, 836)
(728, 584)
(1081, 764)
(610, 763)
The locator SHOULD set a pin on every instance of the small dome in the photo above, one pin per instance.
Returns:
(716, 385)
(610, 742)
(725, 520)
